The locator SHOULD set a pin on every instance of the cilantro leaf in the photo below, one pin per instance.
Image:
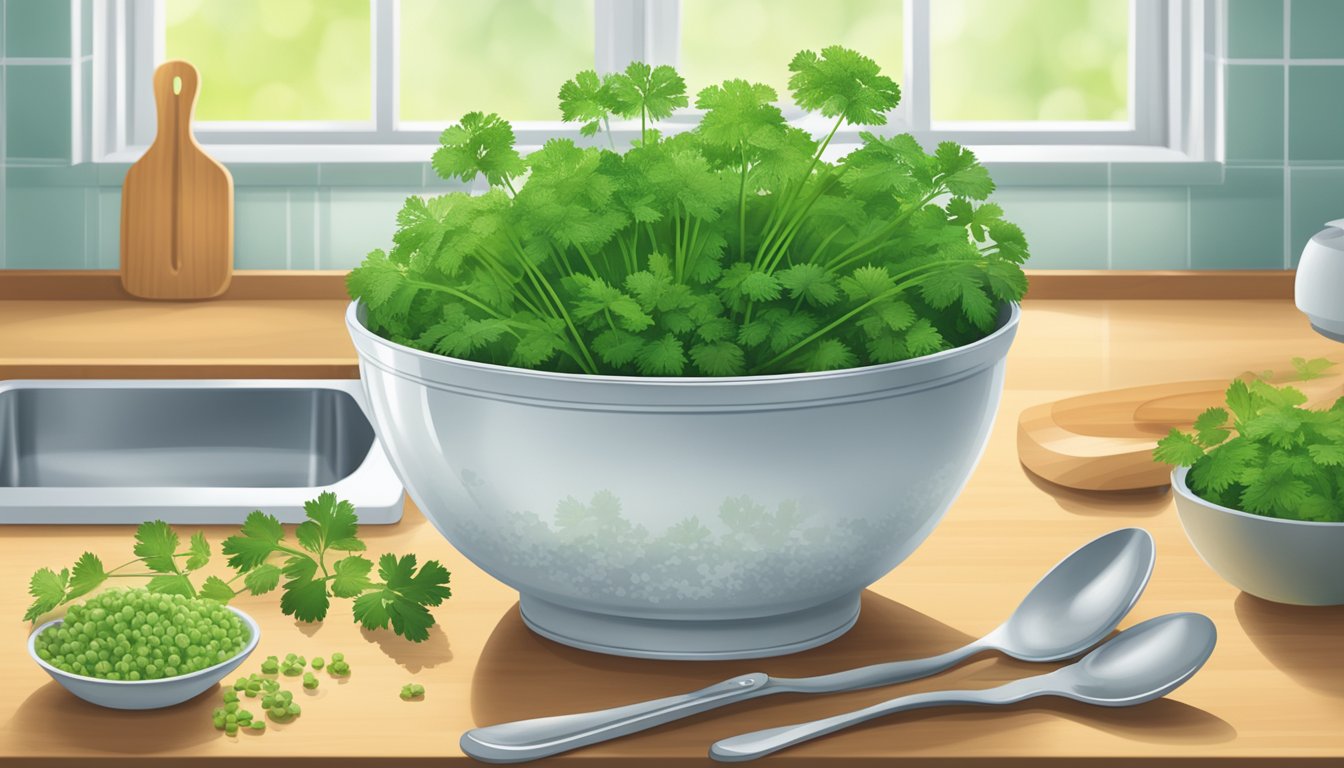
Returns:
(262, 579)
(156, 543)
(48, 590)
(402, 598)
(86, 576)
(586, 99)
(480, 144)
(664, 357)
(1178, 448)
(1210, 427)
(259, 538)
(1311, 369)
(843, 83)
(215, 588)
(305, 599)
(351, 576)
(331, 524)
(198, 551)
(642, 90)
(172, 584)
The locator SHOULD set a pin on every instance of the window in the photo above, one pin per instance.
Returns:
(326, 73)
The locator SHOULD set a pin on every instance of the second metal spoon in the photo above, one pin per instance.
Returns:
(1143, 663)
(1079, 602)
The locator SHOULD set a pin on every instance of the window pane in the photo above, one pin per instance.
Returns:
(275, 59)
(1030, 60)
(756, 39)
(504, 56)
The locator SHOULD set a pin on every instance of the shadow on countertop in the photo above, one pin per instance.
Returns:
(85, 726)
(522, 675)
(1302, 641)
(1143, 502)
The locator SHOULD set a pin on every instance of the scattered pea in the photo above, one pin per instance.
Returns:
(309, 680)
(318, 663)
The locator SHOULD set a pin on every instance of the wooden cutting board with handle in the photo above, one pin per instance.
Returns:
(176, 204)
(1104, 441)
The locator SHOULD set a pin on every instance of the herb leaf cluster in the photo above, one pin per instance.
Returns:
(732, 248)
(1264, 453)
(317, 566)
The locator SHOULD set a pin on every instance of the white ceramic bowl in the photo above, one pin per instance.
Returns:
(1286, 561)
(144, 694)
(684, 517)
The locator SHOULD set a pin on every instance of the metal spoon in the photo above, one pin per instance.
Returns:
(1143, 663)
(1080, 601)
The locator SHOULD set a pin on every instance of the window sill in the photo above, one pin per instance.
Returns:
(407, 165)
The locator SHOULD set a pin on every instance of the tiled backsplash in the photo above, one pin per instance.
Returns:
(1283, 176)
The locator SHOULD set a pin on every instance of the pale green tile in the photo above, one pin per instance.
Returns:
(1065, 227)
(37, 112)
(91, 225)
(1316, 113)
(82, 175)
(354, 222)
(1254, 113)
(304, 236)
(273, 174)
(1238, 224)
(1318, 197)
(37, 28)
(1149, 228)
(1255, 29)
(1317, 29)
(44, 228)
(108, 247)
(1048, 174)
(1178, 174)
(398, 175)
(260, 237)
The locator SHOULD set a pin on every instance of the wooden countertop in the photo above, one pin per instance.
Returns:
(1272, 694)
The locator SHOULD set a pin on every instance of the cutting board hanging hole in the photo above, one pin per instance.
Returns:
(176, 204)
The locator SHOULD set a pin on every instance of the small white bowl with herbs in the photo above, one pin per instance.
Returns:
(1259, 489)
(690, 398)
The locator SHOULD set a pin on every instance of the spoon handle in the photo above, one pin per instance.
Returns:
(749, 746)
(542, 737)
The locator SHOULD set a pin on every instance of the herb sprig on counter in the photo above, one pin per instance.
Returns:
(315, 567)
(1264, 453)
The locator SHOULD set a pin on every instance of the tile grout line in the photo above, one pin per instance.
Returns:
(289, 230)
(318, 212)
(1189, 244)
(1287, 164)
(1110, 217)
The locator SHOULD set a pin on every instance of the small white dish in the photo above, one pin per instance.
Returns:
(145, 694)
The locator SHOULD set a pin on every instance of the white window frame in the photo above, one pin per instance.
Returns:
(1171, 95)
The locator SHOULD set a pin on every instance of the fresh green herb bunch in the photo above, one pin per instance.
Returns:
(1284, 461)
(732, 248)
(260, 556)
(135, 634)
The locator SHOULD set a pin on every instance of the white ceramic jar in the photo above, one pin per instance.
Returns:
(1319, 285)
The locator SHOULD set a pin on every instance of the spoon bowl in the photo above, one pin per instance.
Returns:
(1081, 600)
(1143, 663)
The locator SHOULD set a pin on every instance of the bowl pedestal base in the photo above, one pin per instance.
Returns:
(689, 639)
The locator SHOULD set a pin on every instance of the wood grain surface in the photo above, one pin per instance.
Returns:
(1104, 441)
(176, 204)
(1272, 694)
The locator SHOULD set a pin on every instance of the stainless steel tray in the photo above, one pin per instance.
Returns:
(187, 451)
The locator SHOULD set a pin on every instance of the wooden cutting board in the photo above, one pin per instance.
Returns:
(176, 204)
(1104, 441)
